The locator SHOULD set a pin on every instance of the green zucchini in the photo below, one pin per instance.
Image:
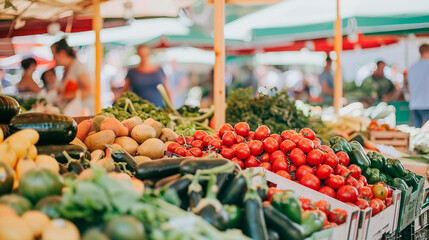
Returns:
(52, 128)
(75, 151)
(9, 108)
(192, 165)
(287, 228)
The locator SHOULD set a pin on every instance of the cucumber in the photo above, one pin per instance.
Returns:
(52, 128)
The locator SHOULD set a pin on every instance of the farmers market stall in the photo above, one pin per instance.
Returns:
(137, 172)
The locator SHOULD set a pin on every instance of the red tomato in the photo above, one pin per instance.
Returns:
(305, 145)
(381, 203)
(251, 136)
(238, 161)
(265, 165)
(302, 171)
(352, 182)
(251, 162)
(317, 143)
(172, 146)
(389, 195)
(344, 172)
(271, 192)
(215, 144)
(292, 168)
(189, 140)
(311, 181)
(306, 204)
(207, 140)
(323, 206)
(296, 138)
(375, 205)
(262, 132)
(240, 139)
(347, 193)
(323, 171)
(242, 129)
(265, 157)
(225, 128)
(365, 192)
(180, 140)
(337, 216)
(284, 174)
(279, 165)
(227, 153)
(308, 133)
(196, 152)
(380, 191)
(256, 147)
(285, 135)
(198, 144)
(343, 158)
(234, 146)
(270, 145)
(327, 191)
(363, 179)
(356, 171)
(327, 149)
(287, 146)
(229, 138)
(277, 154)
(335, 181)
(297, 157)
(200, 135)
(181, 151)
(315, 157)
(388, 201)
(362, 203)
(338, 169)
(217, 136)
(277, 138)
(330, 225)
(330, 159)
(242, 151)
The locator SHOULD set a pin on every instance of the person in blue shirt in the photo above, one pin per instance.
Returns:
(418, 84)
(144, 78)
(326, 79)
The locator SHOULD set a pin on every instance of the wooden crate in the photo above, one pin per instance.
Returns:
(399, 140)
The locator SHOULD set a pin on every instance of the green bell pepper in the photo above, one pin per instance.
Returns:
(339, 144)
(399, 184)
(311, 222)
(287, 203)
(372, 175)
(411, 179)
(377, 160)
(386, 178)
(394, 168)
(234, 215)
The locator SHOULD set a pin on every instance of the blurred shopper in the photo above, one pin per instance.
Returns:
(178, 83)
(76, 94)
(418, 83)
(27, 84)
(144, 78)
(50, 86)
(326, 79)
(378, 86)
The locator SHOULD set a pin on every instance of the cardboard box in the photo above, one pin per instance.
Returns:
(411, 204)
(345, 231)
(384, 222)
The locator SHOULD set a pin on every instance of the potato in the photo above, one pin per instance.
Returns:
(78, 142)
(141, 159)
(47, 162)
(142, 132)
(128, 144)
(168, 135)
(97, 140)
(152, 148)
(130, 123)
(97, 155)
(97, 121)
(157, 126)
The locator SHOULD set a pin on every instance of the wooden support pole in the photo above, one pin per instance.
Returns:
(338, 46)
(97, 26)
(219, 68)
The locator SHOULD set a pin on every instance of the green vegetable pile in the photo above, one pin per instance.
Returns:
(130, 105)
(278, 112)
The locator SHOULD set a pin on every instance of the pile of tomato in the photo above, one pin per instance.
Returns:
(298, 156)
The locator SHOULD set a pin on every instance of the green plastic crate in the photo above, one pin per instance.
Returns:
(411, 204)
(402, 112)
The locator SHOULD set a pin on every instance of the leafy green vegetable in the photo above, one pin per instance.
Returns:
(278, 112)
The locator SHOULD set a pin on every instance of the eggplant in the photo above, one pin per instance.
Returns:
(192, 165)
(254, 222)
(158, 168)
(74, 151)
(52, 128)
(164, 181)
(120, 155)
(234, 193)
(9, 108)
